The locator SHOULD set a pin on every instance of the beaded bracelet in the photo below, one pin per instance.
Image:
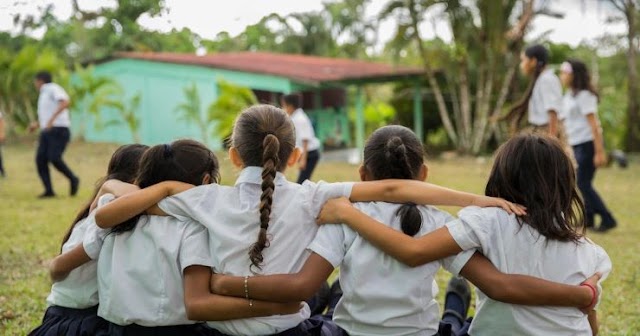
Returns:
(246, 287)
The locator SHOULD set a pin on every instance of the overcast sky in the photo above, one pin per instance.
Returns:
(584, 19)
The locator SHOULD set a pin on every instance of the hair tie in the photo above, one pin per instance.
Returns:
(167, 150)
(566, 67)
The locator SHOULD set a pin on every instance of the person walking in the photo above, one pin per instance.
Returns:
(580, 112)
(54, 122)
(306, 139)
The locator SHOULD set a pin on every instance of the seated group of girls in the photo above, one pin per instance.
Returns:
(162, 249)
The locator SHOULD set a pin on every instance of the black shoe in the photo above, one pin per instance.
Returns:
(46, 195)
(460, 287)
(75, 183)
(604, 227)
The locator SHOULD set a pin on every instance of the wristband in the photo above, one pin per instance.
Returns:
(595, 295)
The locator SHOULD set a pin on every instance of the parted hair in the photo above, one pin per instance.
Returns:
(123, 166)
(264, 136)
(534, 170)
(187, 161)
(394, 152)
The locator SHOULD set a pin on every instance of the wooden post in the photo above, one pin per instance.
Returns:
(360, 121)
(417, 111)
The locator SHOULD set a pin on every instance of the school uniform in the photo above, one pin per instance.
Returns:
(305, 132)
(231, 215)
(575, 110)
(53, 141)
(381, 295)
(520, 249)
(73, 302)
(140, 276)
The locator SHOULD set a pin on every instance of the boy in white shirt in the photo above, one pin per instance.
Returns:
(306, 139)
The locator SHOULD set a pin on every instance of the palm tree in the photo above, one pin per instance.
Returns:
(191, 111)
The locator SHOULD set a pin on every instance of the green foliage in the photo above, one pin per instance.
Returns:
(190, 111)
(126, 111)
(231, 101)
(376, 115)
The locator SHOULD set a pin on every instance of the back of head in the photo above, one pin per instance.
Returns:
(185, 161)
(539, 52)
(44, 76)
(394, 152)
(264, 137)
(533, 170)
(581, 77)
(294, 100)
(122, 166)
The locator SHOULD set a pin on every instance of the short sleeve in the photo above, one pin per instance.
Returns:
(59, 93)
(317, 194)
(194, 247)
(587, 103)
(551, 93)
(304, 130)
(330, 244)
(603, 266)
(470, 230)
(455, 263)
(184, 206)
(94, 235)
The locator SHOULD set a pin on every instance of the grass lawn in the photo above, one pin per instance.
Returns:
(31, 230)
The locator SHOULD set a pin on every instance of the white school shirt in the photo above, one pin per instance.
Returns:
(140, 271)
(304, 130)
(517, 249)
(575, 110)
(231, 215)
(381, 295)
(79, 290)
(546, 95)
(50, 96)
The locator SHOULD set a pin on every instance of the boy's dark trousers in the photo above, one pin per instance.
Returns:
(51, 146)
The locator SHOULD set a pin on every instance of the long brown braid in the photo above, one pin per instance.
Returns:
(264, 137)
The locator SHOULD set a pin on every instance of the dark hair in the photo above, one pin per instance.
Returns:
(264, 137)
(518, 111)
(534, 170)
(44, 76)
(394, 152)
(581, 78)
(186, 161)
(294, 100)
(123, 166)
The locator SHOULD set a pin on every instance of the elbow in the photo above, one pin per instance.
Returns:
(192, 308)
(500, 291)
(412, 257)
(101, 220)
(56, 273)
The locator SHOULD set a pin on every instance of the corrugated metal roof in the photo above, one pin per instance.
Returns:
(301, 68)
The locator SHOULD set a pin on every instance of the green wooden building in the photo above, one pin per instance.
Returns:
(159, 78)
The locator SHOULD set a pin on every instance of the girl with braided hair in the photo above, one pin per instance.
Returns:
(264, 223)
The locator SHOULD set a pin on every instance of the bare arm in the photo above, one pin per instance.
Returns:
(600, 158)
(115, 187)
(280, 287)
(553, 123)
(302, 162)
(523, 289)
(201, 305)
(137, 202)
(405, 191)
(2, 132)
(62, 105)
(408, 250)
(593, 322)
(62, 265)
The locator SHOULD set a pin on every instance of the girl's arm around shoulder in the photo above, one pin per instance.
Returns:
(411, 191)
(280, 287)
(526, 290)
(408, 250)
(202, 305)
(62, 265)
(137, 202)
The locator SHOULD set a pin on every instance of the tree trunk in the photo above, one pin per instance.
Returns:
(433, 82)
(633, 105)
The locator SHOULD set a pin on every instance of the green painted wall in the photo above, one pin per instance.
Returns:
(161, 87)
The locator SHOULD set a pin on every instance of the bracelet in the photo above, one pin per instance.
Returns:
(595, 295)
(250, 303)
(246, 289)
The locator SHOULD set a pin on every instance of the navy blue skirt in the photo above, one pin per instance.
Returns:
(61, 321)
(317, 325)
(198, 329)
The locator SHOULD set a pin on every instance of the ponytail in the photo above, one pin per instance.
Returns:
(270, 163)
(396, 154)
